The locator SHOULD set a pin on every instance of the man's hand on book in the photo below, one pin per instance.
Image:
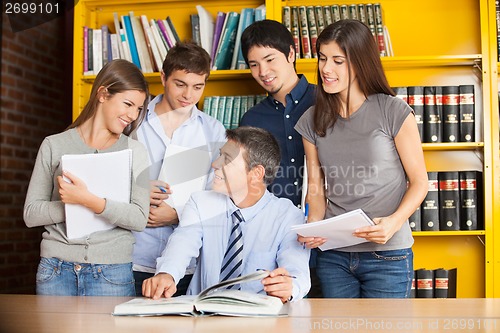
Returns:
(159, 285)
(279, 284)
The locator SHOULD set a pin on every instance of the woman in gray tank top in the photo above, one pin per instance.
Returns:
(364, 143)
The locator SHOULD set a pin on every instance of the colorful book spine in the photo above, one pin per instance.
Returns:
(445, 283)
(131, 40)
(296, 31)
(226, 48)
(304, 33)
(344, 12)
(246, 18)
(432, 118)
(335, 13)
(466, 111)
(370, 18)
(425, 283)
(415, 220)
(430, 205)
(416, 102)
(327, 14)
(449, 201)
(379, 29)
(450, 120)
(194, 19)
(362, 14)
(220, 22)
(320, 19)
(469, 203)
(172, 28)
(313, 29)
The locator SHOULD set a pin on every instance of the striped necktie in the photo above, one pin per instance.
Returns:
(232, 264)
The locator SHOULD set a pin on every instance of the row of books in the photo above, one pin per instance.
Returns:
(229, 109)
(136, 39)
(452, 203)
(145, 42)
(443, 113)
(305, 23)
(434, 283)
(221, 36)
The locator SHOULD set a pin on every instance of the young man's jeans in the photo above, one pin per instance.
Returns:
(380, 274)
(62, 278)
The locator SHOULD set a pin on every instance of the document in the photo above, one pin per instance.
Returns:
(337, 230)
(107, 175)
(213, 300)
(186, 171)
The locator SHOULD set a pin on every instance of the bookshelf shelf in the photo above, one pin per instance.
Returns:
(448, 233)
(434, 44)
(453, 146)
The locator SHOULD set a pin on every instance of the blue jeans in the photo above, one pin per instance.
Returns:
(378, 274)
(62, 278)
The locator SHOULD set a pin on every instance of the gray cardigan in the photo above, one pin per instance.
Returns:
(43, 206)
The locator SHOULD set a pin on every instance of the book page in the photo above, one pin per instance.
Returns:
(107, 175)
(186, 171)
(150, 307)
(338, 230)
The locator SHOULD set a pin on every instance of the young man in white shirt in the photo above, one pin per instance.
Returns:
(173, 119)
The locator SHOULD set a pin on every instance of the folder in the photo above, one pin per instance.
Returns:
(107, 175)
(337, 230)
(186, 171)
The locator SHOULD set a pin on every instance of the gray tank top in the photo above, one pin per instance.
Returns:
(361, 164)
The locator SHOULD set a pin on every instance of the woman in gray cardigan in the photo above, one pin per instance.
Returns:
(101, 262)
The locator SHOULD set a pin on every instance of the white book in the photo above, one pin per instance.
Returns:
(121, 51)
(206, 28)
(107, 175)
(186, 171)
(158, 61)
(159, 42)
(115, 51)
(214, 300)
(140, 40)
(337, 230)
(97, 50)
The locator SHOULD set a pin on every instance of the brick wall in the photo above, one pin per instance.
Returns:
(35, 102)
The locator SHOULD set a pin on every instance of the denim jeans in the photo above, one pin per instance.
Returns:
(378, 274)
(62, 278)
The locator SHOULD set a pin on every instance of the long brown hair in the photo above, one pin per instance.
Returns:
(362, 58)
(116, 76)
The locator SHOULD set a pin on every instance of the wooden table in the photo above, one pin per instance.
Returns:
(53, 314)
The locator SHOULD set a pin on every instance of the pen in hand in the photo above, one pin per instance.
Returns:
(162, 189)
(290, 276)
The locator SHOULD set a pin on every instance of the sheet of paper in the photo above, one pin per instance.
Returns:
(338, 229)
(186, 171)
(107, 175)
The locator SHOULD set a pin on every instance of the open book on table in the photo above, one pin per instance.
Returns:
(337, 230)
(214, 300)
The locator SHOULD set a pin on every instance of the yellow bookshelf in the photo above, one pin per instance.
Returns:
(434, 43)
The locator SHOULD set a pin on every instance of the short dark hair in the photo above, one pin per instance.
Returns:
(267, 33)
(189, 57)
(261, 148)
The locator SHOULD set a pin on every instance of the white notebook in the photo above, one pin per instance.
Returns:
(186, 171)
(107, 175)
(338, 229)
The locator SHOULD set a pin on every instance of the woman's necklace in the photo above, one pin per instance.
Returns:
(85, 141)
